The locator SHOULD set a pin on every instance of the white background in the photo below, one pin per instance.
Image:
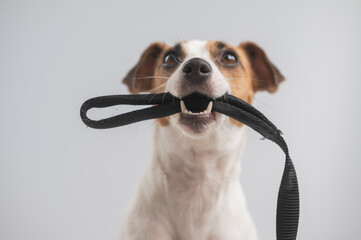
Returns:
(61, 180)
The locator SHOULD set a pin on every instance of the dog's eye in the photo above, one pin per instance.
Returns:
(170, 59)
(229, 58)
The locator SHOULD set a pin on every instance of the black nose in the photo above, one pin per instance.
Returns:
(196, 70)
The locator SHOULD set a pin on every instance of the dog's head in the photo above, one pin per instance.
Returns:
(198, 72)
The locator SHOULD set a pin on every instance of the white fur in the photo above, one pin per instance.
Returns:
(196, 48)
(191, 189)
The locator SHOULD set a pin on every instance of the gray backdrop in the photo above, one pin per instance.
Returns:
(62, 180)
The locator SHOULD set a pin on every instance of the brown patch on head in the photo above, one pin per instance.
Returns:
(237, 74)
(251, 72)
(266, 75)
(141, 78)
(150, 74)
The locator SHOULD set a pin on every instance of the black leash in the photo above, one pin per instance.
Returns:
(166, 104)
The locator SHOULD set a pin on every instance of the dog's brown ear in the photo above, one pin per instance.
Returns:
(268, 77)
(139, 78)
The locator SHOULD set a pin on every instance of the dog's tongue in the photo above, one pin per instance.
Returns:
(288, 196)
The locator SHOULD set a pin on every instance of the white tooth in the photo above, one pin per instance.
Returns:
(190, 112)
(209, 108)
(183, 107)
(186, 111)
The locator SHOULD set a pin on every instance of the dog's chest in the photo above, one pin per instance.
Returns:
(197, 188)
(194, 184)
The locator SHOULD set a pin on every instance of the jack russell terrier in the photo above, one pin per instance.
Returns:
(191, 189)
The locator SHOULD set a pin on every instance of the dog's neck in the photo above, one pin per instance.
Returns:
(197, 158)
(197, 173)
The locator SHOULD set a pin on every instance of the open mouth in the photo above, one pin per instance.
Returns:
(196, 104)
(196, 113)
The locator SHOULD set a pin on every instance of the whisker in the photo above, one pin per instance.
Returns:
(218, 59)
(158, 87)
(239, 87)
(177, 59)
(167, 72)
(163, 97)
(151, 98)
(252, 79)
(152, 77)
(257, 99)
(225, 98)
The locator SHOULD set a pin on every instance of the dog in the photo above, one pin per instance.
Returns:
(191, 188)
